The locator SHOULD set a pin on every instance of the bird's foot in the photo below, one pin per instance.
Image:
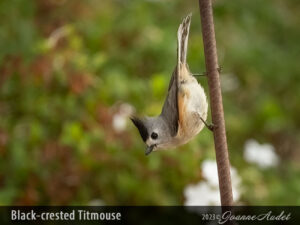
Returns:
(211, 126)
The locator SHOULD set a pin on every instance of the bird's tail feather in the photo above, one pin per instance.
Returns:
(182, 38)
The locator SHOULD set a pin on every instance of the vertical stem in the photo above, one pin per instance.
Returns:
(211, 62)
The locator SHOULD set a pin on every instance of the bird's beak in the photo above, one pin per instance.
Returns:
(149, 149)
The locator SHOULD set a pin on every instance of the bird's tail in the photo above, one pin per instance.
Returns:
(182, 38)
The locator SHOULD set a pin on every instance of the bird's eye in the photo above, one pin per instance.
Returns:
(154, 135)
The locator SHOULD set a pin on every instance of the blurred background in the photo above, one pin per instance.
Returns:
(71, 73)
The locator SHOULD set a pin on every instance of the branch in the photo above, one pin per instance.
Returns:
(212, 69)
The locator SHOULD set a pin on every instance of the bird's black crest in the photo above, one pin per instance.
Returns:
(142, 129)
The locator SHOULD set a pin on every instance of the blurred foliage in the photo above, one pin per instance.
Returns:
(67, 66)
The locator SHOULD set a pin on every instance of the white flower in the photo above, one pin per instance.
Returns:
(236, 181)
(210, 172)
(201, 194)
(120, 119)
(207, 192)
(119, 122)
(261, 154)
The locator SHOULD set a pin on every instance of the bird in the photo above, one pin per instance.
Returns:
(184, 111)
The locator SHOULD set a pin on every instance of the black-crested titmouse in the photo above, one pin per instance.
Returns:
(185, 109)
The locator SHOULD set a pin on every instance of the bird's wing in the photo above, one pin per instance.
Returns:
(170, 111)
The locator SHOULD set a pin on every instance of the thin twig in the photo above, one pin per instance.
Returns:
(211, 62)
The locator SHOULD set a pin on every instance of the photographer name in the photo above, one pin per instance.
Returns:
(228, 216)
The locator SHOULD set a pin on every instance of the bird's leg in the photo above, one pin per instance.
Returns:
(200, 74)
(211, 126)
(206, 73)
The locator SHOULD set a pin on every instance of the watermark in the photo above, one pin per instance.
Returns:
(230, 216)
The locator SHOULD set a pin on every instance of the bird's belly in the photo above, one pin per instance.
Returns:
(193, 104)
(196, 99)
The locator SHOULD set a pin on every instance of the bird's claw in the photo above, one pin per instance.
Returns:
(211, 126)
